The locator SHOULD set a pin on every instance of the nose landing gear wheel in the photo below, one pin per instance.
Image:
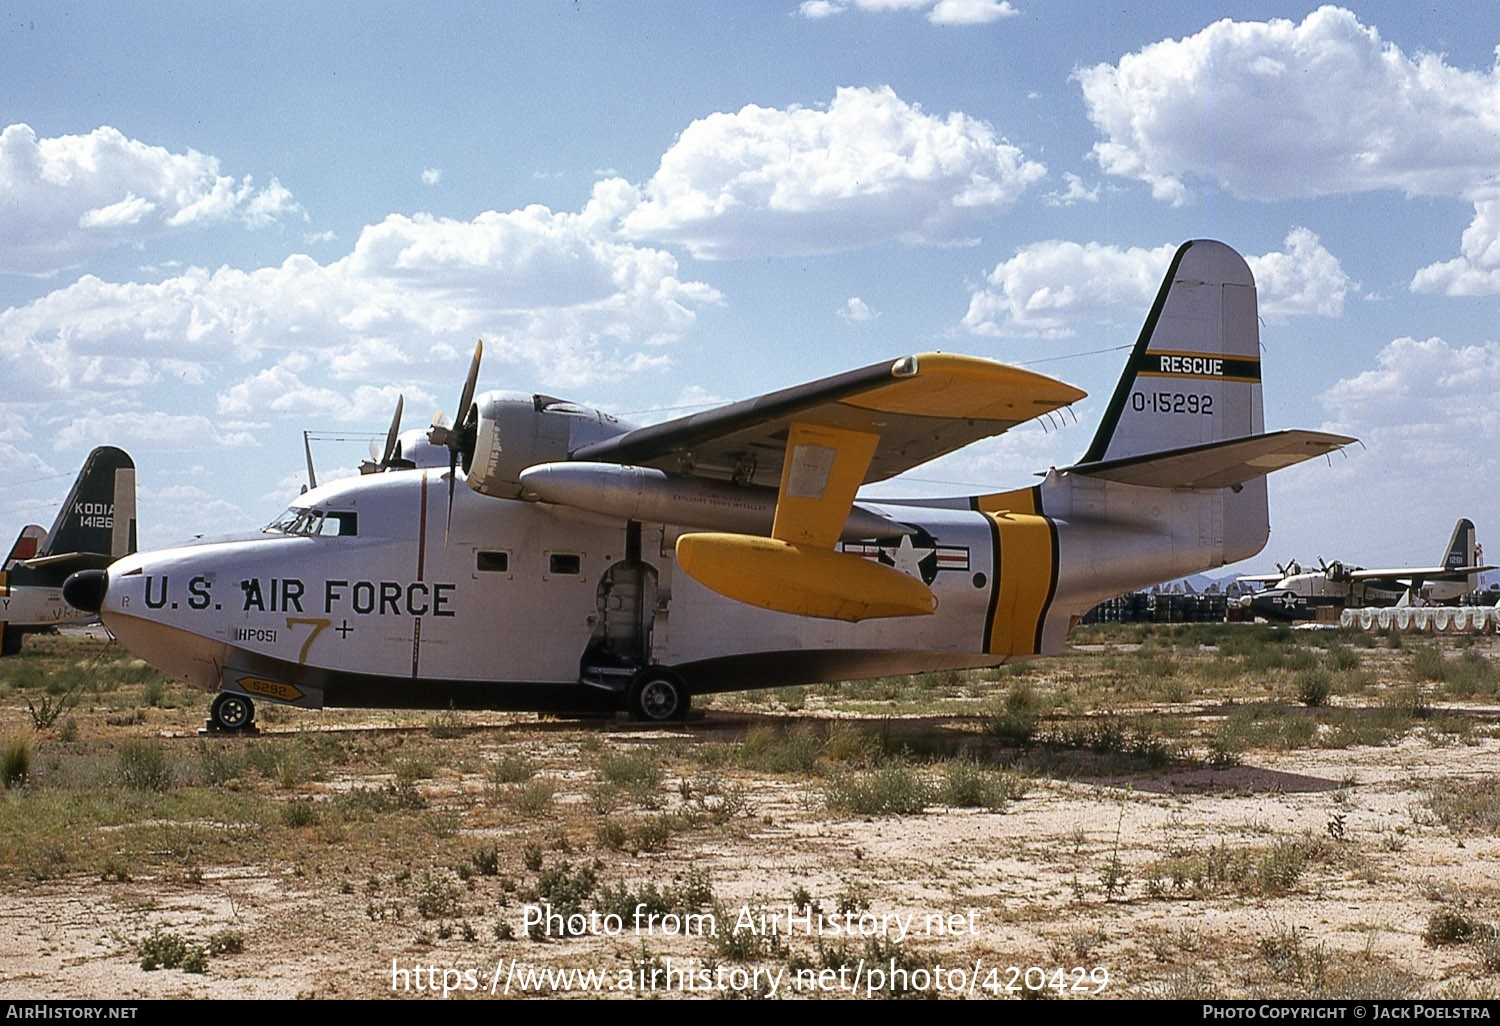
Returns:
(658, 695)
(231, 712)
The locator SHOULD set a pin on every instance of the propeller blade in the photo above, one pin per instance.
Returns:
(452, 476)
(469, 383)
(459, 438)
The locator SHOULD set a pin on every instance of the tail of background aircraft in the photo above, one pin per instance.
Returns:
(98, 518)
(26, 545)
(1462, 549)
(94, 527)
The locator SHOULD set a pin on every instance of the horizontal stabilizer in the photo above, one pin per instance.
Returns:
(1216, 464)
(69, 562)
(801, 580)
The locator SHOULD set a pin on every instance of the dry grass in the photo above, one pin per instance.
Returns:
(1309, 802)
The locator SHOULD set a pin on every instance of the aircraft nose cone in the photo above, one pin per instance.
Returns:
(85, 590)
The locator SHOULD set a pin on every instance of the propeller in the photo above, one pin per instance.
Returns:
(460, 436)
(381, 461)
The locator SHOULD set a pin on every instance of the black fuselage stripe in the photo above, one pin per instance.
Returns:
(1041, 620)
(994, 602)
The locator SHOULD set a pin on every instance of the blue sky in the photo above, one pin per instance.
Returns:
(224, 224)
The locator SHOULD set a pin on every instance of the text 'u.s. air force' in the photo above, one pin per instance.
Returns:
(292, 595)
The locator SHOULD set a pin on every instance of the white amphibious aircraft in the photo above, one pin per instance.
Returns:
(94, 527)
(1297, 594)
(592, 566)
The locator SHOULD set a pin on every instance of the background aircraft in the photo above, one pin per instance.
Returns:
(592, 566)
(1298, 594)
(94, 527)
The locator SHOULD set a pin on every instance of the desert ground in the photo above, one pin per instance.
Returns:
(1206, 811)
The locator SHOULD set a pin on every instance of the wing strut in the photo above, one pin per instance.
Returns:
(796, 570)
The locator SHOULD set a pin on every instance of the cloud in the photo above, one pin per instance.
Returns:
(1304, 279)
(74, 196)
(1426, 415)
(148, 432)
(868, 169)
(857, 311)
(280, 389)
(554, 291)
(1076, 192)
(939, 12)
(1426, 387)
(1279, 110)
(1476, 271)
(432, 175)
(1051, 289)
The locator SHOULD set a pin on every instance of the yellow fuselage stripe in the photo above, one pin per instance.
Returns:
(1024, 568)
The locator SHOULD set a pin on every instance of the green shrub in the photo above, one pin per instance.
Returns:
(165, 950)
(1314, 687)
(15, 763)
(220, 763)
(300, 812)
(1015, 722)
(1450, 926)
(533, 797)
(511, 769)
(631, 769)
(892, 790)
(966, 785)
(438, 899)
(143, 766)
(777, 751)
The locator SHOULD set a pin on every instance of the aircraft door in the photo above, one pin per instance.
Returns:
(625, 614)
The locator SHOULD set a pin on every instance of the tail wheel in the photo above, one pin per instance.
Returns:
(658, 695)
(231, 712)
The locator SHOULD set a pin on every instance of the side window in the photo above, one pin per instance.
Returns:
(492, 562)
(342, 524)
(564, 563)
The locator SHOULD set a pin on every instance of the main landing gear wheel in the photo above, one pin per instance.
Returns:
(658, 695)
(231, 712)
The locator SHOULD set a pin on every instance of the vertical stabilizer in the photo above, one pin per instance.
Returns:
(1462, 550)
(1194, 375)
(98, 517)
(1193, 379)
(26, 545)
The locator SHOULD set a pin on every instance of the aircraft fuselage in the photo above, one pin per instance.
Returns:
(528, 605)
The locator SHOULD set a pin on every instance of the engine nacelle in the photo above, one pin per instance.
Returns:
(516, 431)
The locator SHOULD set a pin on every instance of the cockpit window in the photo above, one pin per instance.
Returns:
(315, 522)
(342, 523)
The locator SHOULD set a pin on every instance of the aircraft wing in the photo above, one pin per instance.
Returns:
(1405, 574)
(1261, 578)
(919, 407)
